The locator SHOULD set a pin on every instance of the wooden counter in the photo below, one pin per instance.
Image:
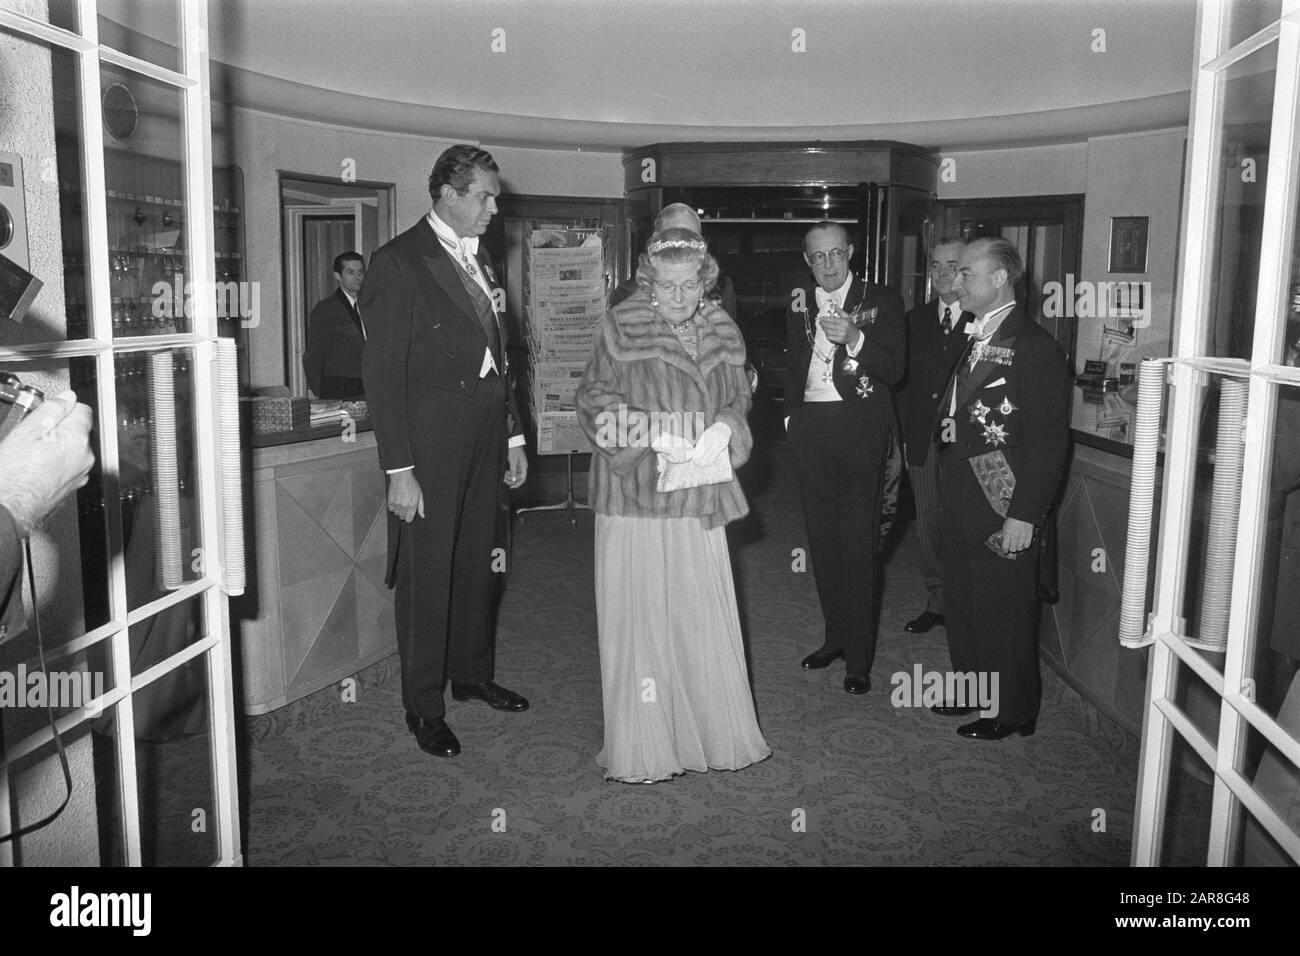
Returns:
(1078, 636)
(1078, 633)
(316, 609)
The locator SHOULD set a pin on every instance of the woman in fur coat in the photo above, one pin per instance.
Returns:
(664, 402)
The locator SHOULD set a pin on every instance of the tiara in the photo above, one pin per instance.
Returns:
(659, 245)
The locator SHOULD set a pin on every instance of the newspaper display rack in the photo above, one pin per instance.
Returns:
(565, 288)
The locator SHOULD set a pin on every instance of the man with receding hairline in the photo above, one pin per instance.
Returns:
(1002, 440)
(846, 341)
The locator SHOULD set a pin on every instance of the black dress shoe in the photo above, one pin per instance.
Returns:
(433, 736)
(494, 695)
(986, 728)
(857, 685)
(819, 659)
(952, 710)
(923, 622)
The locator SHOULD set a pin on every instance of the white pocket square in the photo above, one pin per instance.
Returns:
(1001, 381)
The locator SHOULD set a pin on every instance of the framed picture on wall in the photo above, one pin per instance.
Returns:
(1128, 243)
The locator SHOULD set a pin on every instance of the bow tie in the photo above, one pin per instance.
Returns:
(469, 246)
(826, 299)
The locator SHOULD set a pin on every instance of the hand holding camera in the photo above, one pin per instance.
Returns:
(44, 458)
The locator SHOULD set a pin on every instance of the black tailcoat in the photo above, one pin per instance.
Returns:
(432, 411)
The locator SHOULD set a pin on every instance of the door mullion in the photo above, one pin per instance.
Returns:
(198, 164)
(1185, 394)
(1280, 198)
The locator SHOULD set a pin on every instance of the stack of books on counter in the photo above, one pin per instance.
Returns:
(326, 413)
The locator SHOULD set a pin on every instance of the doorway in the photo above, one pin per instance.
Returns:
(319, 220)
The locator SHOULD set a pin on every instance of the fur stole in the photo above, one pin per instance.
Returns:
(634, 330)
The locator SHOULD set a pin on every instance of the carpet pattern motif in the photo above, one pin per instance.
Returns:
(852, 780)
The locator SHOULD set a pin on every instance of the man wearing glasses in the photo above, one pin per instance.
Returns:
(847, 340)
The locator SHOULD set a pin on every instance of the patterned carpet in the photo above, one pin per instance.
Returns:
(853, 780)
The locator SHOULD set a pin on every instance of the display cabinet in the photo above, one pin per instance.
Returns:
(756, 202)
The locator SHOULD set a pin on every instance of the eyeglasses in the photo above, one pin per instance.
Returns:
(689, 287)
(821, 258)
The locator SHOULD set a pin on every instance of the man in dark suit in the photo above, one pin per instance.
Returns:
(446, 424)
(934, 342)
(847, 342)
(43, 460)
(1004, 435)
(336, 335)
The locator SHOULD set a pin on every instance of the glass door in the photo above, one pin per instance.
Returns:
(1224, 624)
(111, 165)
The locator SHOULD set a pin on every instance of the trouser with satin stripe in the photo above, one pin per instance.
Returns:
(444, 574)
(839, 457)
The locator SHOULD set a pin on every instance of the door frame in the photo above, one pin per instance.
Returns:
(292, 219)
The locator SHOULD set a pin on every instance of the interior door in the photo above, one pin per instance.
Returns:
(1225, 411)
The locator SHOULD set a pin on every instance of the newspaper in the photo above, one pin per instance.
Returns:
(559, 433)
(583, 264)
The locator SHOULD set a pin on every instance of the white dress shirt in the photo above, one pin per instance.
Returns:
(462, 251)
(816, 388)
(984, 327)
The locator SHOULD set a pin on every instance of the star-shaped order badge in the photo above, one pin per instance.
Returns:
(865, 387)
(1006, 408)
(995, 434)
(979, 411)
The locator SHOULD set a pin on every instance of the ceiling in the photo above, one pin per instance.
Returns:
(610, 74)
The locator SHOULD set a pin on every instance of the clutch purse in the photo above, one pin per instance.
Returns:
(691, 474)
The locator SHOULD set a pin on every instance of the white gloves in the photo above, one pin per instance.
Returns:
(713, 443)
(672, 448)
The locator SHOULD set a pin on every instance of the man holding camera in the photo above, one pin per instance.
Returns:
(43, 459)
